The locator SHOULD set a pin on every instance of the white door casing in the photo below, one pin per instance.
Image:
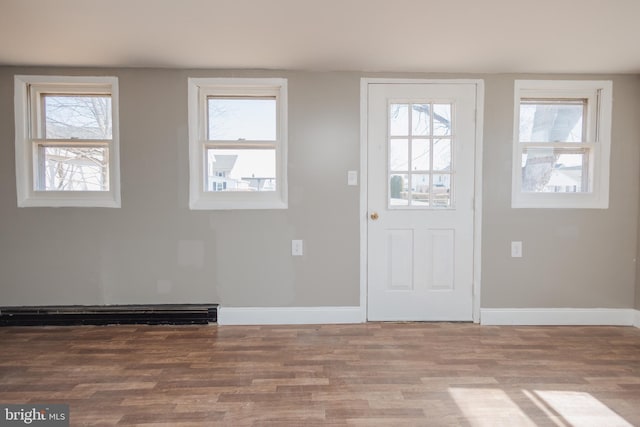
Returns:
(421, 183)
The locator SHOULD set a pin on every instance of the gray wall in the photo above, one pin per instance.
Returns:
(572, 257)
(155, 250)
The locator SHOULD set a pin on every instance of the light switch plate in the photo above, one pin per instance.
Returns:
(352, 177)
(296, 247)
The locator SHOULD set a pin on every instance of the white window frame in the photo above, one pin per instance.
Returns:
(27, 98)
(198, 91)
(598, 139)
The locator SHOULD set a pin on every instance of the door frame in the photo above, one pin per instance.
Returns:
(364, 202)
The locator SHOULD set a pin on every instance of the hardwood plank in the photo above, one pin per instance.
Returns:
(400, 374)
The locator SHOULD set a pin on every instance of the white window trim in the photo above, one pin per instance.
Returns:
(25, 172)
(198, 90)
(599, 95)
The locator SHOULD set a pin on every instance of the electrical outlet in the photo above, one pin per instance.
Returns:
(516, 249)
(296, 247)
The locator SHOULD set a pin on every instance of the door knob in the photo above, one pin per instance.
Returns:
(374, 216)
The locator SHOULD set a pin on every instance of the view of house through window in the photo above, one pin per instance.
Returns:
(237, 143)
(241, 148)
(420, 161)
(241, 170)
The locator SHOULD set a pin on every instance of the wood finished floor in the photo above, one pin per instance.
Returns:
(387, 374)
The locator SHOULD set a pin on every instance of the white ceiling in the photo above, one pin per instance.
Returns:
(565, 36)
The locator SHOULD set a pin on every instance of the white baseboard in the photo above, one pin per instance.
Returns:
(488, 316)
(288, 315)
(560, 316)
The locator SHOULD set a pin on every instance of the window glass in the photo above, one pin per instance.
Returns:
(244, 119)
(399, 189)
(561, 144)
(551, 170)
(552, 121)
(420, 154)
(442, 154)
(399, 155)
(237, 143)
(441, 193)
(420, 188)
(73, 168)
(419, 146)
(241, 170)
(420, 120)
(67, 143)
(442, 119)
(399, 120)
(77, 117)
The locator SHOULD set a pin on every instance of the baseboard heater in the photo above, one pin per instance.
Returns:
(163, 314)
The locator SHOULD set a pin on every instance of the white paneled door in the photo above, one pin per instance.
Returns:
(421, 145)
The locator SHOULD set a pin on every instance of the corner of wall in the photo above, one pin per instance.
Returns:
(637, 289)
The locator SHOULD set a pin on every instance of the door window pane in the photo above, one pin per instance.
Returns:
(441, 190)
(425, 153)
(420, 155)
(420, 119)
(399, 155)
(399, 119)
(442, 119)
(420, 189)
(399, 190)
(442, 155)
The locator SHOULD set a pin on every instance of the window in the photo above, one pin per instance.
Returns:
(420, 161)
(237, 143)
(67, 141)
(562, 144)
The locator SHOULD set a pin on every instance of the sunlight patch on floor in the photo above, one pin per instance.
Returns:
(489, 407)
(492, 406)
(581, 409)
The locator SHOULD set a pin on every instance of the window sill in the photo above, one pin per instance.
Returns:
(559, 201)
(214, 203)
(78, 200)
